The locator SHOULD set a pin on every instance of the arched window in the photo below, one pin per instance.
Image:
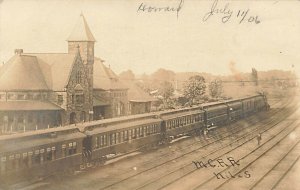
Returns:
(78, 77)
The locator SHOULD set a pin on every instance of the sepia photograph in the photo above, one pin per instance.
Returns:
(149, 94)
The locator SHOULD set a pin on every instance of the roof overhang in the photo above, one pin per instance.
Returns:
(28, 106)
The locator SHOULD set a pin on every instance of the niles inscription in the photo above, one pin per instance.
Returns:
(243, 16)
(217, 163)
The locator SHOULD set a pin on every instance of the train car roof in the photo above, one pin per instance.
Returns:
(12, 145)
(181, 114)
(119, 126)
(249, 97)
(38, 132)
(117, 119)
(212, 104)
(194, 107)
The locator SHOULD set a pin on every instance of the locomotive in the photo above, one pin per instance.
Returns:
(45, 152)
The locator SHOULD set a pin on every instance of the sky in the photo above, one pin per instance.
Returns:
(131, 38)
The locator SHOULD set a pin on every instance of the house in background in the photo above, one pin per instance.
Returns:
(139, 100)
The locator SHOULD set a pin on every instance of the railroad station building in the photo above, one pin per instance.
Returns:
(40, 90)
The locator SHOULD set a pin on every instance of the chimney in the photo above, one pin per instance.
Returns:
(18, 51)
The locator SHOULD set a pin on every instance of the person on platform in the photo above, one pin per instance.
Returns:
(258, 139)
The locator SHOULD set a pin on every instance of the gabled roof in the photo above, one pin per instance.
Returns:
(105, 78)
(56, 68)
(81, 32)
(22, 72)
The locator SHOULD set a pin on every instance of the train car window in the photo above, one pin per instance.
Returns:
(42, 151)
(75, 147)
(96, 142)
(141, 132)
(153, 129)
(30, 154)
(117, 138)
(133, 133)
(100, 141)
(17, 156)
(129, 134)
(3, 164)
(138, 132)
(36, 157)
(113, 139)
(10, 163)
(70, 149)
(104, 140)
(63, 150)
(108, 139)
(121, 137)
(25, 159)
(48, 154)
(125, 135)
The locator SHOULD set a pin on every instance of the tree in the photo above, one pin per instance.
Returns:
(163, 75)
(254, 76)
(194, 87)
(127, 75)
(215, 88)
(166, 91)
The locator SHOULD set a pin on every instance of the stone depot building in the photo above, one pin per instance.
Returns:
(40, 90)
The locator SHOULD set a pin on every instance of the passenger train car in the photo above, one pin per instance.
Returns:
(44, 152)
(39, 153)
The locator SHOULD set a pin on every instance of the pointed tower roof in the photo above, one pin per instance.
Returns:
(81, 32)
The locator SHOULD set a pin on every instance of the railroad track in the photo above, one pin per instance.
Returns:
(282, 171)
(124, 179)
(266, 147)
